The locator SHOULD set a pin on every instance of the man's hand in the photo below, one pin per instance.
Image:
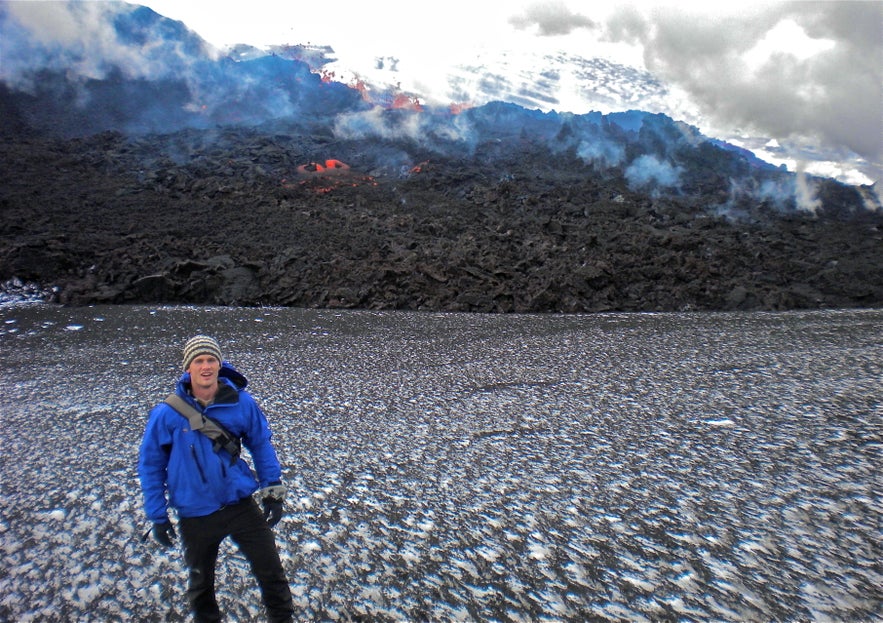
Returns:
(272, 497)
(164, 533)
(272, 510)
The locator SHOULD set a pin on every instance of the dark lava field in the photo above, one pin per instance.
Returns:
(293, 216)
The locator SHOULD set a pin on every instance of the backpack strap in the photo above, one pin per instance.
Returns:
(221, 438)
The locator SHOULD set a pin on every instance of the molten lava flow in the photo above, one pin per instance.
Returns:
(362, 87)
(390, 99)
(330, 166)
(406, 102)
(322, 178)
(417, 168)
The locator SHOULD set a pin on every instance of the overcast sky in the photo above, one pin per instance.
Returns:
(806, 72)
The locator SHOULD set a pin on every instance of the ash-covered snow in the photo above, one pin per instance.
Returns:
(447, 467)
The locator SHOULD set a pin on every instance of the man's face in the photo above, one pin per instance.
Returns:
(204, 370)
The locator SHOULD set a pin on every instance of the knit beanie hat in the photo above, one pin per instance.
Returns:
(200, 345)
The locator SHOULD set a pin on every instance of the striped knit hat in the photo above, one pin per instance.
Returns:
(200, 345)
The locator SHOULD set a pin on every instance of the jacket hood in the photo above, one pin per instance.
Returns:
(227, 372)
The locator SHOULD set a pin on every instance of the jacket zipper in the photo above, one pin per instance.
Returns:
(198, 464)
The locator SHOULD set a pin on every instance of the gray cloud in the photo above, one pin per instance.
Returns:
(551, 19)
(832, 98)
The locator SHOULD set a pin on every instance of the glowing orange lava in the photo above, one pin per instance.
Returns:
(323, 177)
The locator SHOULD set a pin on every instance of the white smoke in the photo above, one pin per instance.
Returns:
(601, 154)
(80, 38)
(378, 123)
(806, 193)
(799, 189)
(649, 171)
(374, 124)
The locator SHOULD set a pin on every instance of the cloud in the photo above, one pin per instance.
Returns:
(805, 71)
(551, 19)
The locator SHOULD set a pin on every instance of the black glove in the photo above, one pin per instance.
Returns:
(164, 533)
(272, 510)
(272, 497)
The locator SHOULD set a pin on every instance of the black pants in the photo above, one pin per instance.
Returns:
(244, 523)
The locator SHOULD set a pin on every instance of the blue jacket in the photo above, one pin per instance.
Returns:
(176, 460)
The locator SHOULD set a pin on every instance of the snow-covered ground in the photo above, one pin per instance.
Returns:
(466, 467)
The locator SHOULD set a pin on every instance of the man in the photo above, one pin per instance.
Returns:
(209, 485)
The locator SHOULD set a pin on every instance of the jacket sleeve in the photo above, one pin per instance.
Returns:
(153, 461)
(258, 440)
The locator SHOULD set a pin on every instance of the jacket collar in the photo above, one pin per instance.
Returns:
(230, 383)
(227, 394)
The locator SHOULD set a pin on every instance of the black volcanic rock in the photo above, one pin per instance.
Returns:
(234, 217)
